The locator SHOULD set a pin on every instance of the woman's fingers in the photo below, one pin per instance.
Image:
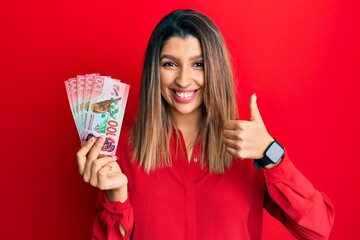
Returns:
(92, 155)
(116, 180)
(241, 154)
(230, 134)
(95, 150)
(81, 154)
(236, 148)
(96, 166)
(236, 144)
(101, 171)
(110, 177)
(247, 139)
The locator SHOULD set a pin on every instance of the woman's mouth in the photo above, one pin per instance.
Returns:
(184, 96)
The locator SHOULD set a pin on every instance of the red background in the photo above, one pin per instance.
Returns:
(300, 57)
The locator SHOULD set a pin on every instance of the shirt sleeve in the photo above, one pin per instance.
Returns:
(109, 216)
(293, 200)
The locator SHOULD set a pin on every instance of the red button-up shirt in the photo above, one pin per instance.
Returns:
(185, 202)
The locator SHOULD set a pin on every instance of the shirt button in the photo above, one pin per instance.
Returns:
(195, 159)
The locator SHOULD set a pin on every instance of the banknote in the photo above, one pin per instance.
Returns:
(68, 91)
(80, 79)
(89, 82)
(74, 103)
(98, 105)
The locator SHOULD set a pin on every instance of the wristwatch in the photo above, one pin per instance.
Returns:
(273, 154)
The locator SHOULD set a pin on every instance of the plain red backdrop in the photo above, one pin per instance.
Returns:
(300, 57)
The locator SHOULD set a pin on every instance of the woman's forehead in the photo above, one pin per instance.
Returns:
(176, 46)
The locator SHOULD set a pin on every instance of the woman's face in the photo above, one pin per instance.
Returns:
(182, 75)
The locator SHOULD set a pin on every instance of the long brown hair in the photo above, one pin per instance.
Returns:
(152, 130)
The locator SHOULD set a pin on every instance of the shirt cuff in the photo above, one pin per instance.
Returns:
(115, 207)
(281, 172)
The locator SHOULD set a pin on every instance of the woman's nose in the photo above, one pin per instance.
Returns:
(184, 77)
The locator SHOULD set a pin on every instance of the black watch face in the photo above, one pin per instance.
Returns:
(275, 152)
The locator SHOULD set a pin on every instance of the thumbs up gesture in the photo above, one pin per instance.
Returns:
(247, 139)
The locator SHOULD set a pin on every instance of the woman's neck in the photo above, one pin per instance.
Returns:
(189, 125)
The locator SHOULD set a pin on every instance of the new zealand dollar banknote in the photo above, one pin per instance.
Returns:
(97, 105)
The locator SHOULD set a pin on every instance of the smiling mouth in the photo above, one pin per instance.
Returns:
(184, 94)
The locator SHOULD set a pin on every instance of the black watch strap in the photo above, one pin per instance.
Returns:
(262, 162)
(272, 154)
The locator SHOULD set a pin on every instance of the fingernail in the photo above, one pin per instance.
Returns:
(91, 139)
(101, 139)
(115, 157)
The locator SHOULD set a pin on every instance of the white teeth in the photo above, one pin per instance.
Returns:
(185, 94)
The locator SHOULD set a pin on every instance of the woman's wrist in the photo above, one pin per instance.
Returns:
(272, 165)
(117, 195)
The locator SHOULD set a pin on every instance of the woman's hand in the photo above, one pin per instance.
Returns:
(101, 171)
(247, 139)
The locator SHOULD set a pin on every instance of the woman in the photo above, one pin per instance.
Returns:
(183, 168)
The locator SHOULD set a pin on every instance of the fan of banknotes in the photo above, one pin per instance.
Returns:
(98, 104)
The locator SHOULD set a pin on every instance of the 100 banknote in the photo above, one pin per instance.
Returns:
(98, 105)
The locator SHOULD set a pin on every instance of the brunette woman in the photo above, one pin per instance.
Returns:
(187, 169)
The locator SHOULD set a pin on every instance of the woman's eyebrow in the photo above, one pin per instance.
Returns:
(196, 57)
(168, 56)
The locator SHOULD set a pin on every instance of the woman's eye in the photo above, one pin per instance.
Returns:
(169, 64)
(199, 64)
